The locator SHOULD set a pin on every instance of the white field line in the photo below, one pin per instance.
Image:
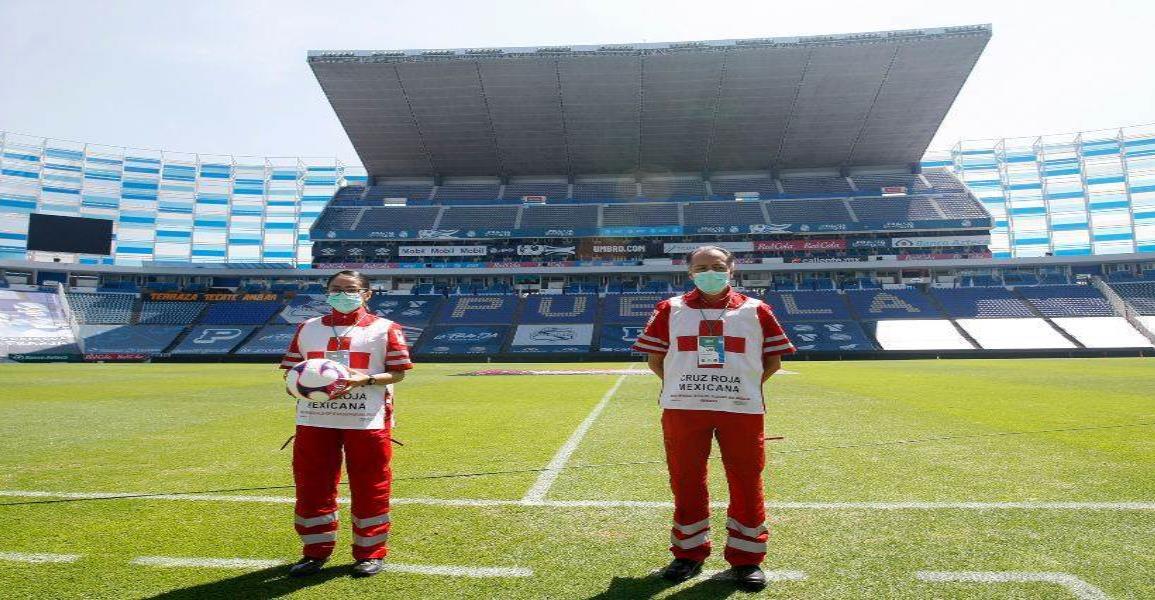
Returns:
(724, 574)
(547, 477)
(1079, 588)
(38, 558)
(249, 563)
(476, 502)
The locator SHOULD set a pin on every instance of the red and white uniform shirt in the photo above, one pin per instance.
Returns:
(713, 352)
(367, 344)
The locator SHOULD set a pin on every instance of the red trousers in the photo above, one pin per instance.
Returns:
(317, 471)
(688, 435)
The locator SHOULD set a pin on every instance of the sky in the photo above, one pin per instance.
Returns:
(230, 77)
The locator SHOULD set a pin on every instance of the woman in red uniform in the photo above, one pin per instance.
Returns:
(358, 423)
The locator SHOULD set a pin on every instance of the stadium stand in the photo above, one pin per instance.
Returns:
(302, 308)
(479, 217)
(911, 208)
(617, 337)
(571, 216)
(611, 191)
(728, 187)
(809, 306)
(559, 309)
(169, 313)
(1067, 300)
(478, 310)
(629, 309)
(981, 303)
(143, 339)
(340, 218)
(960, 206)
(917, 334)
(271, 340)
(463, 339)
(410, 191)
(553, 191)
(815, 186)
(873, 183)
(1007, 334)
(97, 308)
(719, 214)
(828, 336)
(943, 181)
(32, 322)
(808, 211)
(406, 310)
(399, 218)
(213, 339)
(1103, 332)
(649, 214)
(240, 312)
(674, 189)
(552, 338)
(892, 304)
(1140, 295)
(481, 192)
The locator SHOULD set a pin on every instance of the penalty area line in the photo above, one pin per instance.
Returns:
(38, 558)
(546, 479)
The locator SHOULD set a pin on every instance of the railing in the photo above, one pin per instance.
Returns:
(1122, 308)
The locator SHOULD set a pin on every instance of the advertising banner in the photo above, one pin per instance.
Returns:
(794, 245)
(553, 338)
(442, 251)
(940, 241)
(463, 340)
(610, 248)
(550, 252)
(684, 247)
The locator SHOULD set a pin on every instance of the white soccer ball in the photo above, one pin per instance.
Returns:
(316, 379)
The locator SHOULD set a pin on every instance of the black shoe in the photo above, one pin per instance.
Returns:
(681, 569)
(749, 578)
(367, 567)
(307, 566)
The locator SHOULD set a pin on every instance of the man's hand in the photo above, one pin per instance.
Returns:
(357, 380)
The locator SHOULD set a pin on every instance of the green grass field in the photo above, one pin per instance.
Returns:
(866, 491)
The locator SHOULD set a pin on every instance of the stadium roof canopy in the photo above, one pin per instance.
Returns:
(870, 99)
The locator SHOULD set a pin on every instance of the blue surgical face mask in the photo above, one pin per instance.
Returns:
(345, 302)
(711, 282)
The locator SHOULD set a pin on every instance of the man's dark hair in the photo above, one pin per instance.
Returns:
(362, 279)
(729, 255)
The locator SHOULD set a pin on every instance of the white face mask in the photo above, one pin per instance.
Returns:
(344, 302)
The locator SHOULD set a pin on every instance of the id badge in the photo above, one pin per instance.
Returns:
(341, 356)
(711, 350)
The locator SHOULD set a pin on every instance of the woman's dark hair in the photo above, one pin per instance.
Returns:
(362, 279)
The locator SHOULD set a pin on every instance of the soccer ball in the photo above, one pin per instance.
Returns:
(316, 379)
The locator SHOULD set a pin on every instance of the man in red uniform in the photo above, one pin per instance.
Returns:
(714, 348)
(358, 422)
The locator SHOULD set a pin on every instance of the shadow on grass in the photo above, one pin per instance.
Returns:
(648, 586)
(273, 582)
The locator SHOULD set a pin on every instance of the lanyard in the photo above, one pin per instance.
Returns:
(720, 320)
(351, 328)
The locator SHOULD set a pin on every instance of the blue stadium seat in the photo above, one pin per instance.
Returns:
(543, 309)
(169, 313)
(629, 309)
(1053, 279)
(1140, 295)
(271, 340)
(240, 312)
(892, 304)
(101, 308)
(617, 337)
(809, 306)
(828, 336)
(1067, 300)
(144, 339)
(414, 311)
(981, 303)
(478, 310)
(213, 339)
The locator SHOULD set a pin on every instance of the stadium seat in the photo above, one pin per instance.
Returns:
(911, 208)
(169, 313)
(648, 214)
(1140, 295)
(479, 217)
(981, 303)
(240, 312)
(791, 306)
(478, 310)
(917, 334)
(541, 309)
(828, 336)
(1067, 300)
(213, 339)
(1014, 334)
(553, 191)
(90, 307)
(144, 339)
(808, 211)
(816, 186)
(567, 216)
(1103, 332)
(892, 304)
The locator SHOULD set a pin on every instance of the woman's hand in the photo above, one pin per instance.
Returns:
(357, 380)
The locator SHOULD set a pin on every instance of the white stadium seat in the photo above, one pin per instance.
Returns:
(1002, 334)
(1103, 332)
(920, 334)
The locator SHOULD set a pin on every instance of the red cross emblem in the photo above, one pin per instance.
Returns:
(689, 343)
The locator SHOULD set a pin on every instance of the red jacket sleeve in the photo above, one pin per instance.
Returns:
(396, 350)
(774, 340)
(655, 338)
(293, 354)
